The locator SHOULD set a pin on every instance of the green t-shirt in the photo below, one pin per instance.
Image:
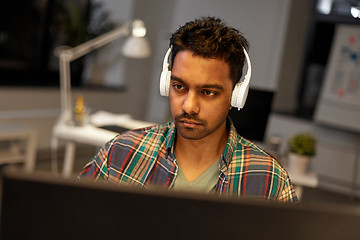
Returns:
(204, 183)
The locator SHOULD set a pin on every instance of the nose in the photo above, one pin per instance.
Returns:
(191, 103)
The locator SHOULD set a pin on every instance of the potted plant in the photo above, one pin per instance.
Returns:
(302, 147)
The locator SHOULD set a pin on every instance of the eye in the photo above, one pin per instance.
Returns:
(178, 86)
(209, 93)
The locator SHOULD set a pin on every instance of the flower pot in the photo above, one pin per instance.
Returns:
(298, 163)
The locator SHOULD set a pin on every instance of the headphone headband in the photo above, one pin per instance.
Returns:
(166, 63)
(248, 63)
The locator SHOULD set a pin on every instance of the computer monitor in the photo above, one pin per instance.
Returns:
(40, 206)
(251, 121)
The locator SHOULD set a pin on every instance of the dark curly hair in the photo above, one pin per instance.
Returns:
(210, 37)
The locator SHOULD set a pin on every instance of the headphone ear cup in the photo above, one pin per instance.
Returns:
(241, 89)
(165, 75)
(239, 94)
(165, 83)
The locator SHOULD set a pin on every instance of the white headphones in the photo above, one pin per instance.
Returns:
(239, 93)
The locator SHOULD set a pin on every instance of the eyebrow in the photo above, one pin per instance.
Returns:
(212, 86)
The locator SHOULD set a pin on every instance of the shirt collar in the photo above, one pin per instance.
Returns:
(231, 142)
(229, 148)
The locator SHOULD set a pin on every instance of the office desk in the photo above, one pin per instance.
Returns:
(90, 134)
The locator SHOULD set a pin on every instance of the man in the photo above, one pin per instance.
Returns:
(200, 149)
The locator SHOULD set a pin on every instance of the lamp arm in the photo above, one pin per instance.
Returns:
(65, 90)
(74, 53)
(71, 54)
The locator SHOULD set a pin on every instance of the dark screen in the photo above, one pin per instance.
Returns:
(54, 208)
(250, 122)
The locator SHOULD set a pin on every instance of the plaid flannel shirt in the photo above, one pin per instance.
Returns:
(146, 156)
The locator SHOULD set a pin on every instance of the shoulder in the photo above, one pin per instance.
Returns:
(256, 156)
(247, 157)
(239, 148)
(262, 171)
(244, 144)
(128, 152)
(143, 139)
(147, 135)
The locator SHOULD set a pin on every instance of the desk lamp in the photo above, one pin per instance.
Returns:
(135, 46)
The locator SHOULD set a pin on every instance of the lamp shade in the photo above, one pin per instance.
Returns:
(136, 47)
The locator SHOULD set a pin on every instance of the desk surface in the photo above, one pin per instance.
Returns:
(93, 135)
(87, 134)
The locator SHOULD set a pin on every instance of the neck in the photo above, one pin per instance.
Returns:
(211, 145)
(195, 156)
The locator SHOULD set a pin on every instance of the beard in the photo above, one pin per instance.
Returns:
(201, 130)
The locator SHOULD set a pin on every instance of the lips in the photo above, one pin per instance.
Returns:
(190, 124)
(189, 121)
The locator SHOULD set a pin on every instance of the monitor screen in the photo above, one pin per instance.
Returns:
(44, 206)
(251, 121)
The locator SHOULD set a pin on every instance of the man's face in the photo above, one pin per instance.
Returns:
(200, 95)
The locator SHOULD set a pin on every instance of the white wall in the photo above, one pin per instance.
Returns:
(262, 22)
(107, 66)
(293, 52)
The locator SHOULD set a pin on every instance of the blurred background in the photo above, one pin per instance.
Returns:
(305, 77)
